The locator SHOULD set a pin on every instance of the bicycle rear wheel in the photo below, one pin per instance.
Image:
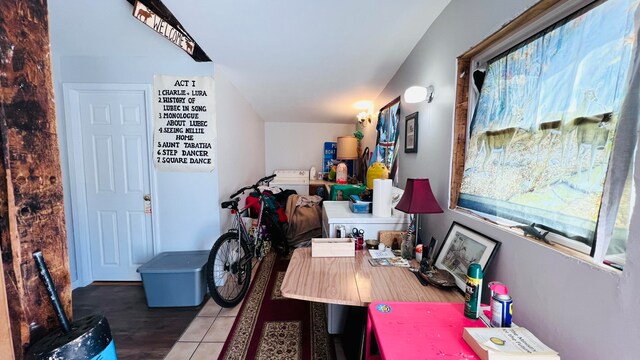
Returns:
(228, 275)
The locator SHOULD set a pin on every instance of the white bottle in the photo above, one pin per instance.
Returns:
(312, 173)
(341, 173)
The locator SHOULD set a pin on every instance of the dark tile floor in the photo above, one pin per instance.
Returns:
(139, 332)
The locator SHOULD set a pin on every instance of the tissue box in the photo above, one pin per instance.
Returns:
(359, 206)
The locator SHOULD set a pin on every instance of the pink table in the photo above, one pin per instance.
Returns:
(417, 330)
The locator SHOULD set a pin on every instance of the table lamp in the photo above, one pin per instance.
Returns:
(347, 150)
(416, 199)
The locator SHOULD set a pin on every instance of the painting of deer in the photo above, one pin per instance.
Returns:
(593, 132)
(496, 141)
(555, 130)
(584, 125)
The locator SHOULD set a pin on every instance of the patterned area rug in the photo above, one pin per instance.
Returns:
(270, 326)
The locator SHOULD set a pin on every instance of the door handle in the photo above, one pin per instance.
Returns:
(147, 197)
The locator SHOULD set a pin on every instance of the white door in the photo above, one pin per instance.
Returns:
(111, 166)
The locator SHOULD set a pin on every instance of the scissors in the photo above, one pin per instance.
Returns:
(357, 232)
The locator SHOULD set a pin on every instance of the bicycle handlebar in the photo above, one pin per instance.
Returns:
(266, 179)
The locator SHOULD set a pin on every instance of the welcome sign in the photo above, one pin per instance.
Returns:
(163, 28)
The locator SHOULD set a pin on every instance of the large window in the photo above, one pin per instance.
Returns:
(544, 128)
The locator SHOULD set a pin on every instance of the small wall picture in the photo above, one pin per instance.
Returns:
(411, 133)
(464, 246)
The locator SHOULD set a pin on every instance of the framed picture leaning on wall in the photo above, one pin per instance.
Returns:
(464, 246)
(411, 133)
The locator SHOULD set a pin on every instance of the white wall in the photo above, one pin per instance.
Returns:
(581, 310)
(300, 145)
(242, 136)
(99, 41)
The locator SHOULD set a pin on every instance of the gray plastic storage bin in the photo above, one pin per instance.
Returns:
(175, 278)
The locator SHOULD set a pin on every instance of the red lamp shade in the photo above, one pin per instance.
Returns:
(418, 198)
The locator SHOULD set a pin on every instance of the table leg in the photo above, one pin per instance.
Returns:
(367, 346)
(353, 337)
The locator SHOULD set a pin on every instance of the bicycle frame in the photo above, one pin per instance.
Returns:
(228, 275)
(255, 242)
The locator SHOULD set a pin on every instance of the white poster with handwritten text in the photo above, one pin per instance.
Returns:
(184, 123)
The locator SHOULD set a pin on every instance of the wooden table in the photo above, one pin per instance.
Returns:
(353, 281)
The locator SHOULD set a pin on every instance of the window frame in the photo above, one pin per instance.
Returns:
(536, 19)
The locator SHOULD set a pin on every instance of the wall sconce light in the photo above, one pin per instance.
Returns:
(364, 118)
(416, 94)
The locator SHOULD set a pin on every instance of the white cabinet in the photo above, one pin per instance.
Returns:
(336, 213)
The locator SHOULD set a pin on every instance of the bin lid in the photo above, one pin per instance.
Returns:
(176, 261)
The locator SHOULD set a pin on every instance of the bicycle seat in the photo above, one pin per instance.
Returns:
(231, 204)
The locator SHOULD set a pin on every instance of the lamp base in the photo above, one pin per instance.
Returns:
(408, 246)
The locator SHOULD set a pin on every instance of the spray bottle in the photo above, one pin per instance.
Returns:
(497, 288)
(473, 291)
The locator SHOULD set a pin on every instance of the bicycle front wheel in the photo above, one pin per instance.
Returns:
(228, 270)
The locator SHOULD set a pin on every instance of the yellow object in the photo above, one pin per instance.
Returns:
(332, 174)
(377, 170)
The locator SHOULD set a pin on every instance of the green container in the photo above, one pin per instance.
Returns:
(341, 192)
(473, 291)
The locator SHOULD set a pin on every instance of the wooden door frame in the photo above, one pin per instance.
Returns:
(77, 189)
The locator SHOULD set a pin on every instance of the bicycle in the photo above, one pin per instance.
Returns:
(228, 269)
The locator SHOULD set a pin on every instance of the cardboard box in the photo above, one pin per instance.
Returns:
(333, 247)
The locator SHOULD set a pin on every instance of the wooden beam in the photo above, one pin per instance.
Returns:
(32, 209)
(460, 129)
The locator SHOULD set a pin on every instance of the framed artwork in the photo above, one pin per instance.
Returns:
(411, 133)
(464, 246)
(388, 129)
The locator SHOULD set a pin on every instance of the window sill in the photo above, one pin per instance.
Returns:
(567, 251)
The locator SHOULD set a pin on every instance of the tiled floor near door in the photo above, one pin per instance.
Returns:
(204, 338)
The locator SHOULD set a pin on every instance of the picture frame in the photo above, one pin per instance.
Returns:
(461, 247)
(411, 133)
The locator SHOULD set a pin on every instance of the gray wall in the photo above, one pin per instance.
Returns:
(580, 309)
(111, 46)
